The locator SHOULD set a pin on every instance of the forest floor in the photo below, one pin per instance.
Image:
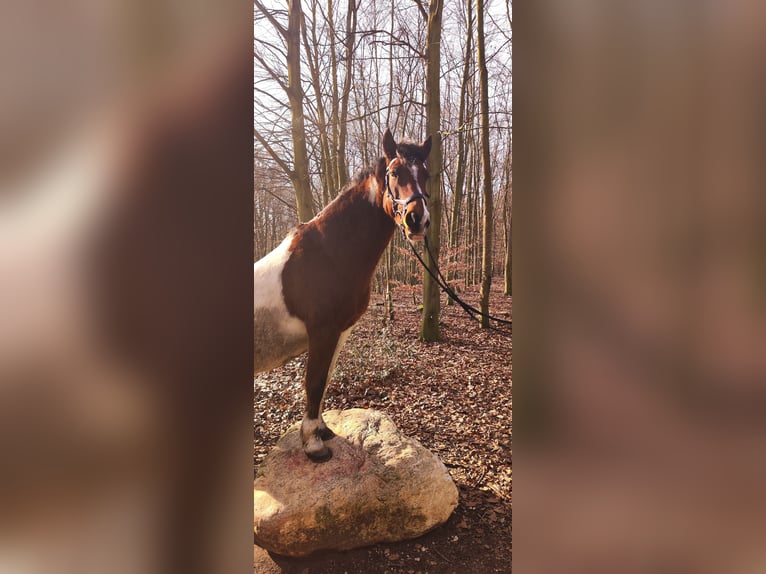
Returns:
(454, 396)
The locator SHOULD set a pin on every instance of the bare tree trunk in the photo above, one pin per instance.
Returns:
(300, 180)
(335, 101)
(391, 69)
(469, 209)
(429, 329)
(508, 225)
(457, 202)
(343, 127)
(486, 252)
(507, 274)
(477, 207)
(361, 94)
(475, 227)
(327, 174)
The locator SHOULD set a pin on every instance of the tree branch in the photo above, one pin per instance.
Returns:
(271, 72)
(274, 22)
(280, 162)
(393, 42)
(271, 96)
(280, 199)
(380, 109)
(423, 11)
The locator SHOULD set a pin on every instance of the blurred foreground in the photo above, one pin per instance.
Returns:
(640, 302)
(125, 297)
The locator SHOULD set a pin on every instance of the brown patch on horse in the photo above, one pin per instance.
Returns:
(338, 251)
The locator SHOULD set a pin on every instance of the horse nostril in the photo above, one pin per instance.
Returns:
(411, 219)
(428, 222)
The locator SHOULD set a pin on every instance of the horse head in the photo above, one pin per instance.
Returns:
(405, 182)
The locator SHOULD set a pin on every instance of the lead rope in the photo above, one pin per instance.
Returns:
(442, 282)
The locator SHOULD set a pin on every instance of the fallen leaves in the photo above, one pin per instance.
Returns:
(454, 396)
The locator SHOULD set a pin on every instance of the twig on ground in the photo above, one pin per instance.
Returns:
(442, 556)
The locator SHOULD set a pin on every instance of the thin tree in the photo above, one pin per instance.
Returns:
(348, 78)
(311, 47)
(301, 184)
(457, 203)
(334, 95)
(508, 225)
(508, 262)
(486, 244)
(299, 173)
(429, 328)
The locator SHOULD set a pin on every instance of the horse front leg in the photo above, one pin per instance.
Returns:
(314, 431)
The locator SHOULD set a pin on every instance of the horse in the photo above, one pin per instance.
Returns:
(312, 289)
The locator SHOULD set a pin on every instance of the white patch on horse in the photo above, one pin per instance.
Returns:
(341, 341)
(279, 336)
(426, 215)
(310, 431)
(372, 191)
(312, 426)
(314, 444)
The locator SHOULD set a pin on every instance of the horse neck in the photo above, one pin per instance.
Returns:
(360, 230)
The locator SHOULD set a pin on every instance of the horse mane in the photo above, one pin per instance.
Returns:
(378, 170)
(358, 179)
(361, 175)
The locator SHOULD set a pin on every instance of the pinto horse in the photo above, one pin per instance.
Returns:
(313, 288)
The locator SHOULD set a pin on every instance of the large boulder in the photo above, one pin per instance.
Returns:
(379, 486)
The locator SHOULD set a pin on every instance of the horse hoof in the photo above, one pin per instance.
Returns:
(325, 433)
(320, 456)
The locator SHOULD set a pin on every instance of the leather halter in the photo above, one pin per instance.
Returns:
(399, 206)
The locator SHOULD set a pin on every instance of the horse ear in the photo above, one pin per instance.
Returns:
(389, 145)
(425, 149)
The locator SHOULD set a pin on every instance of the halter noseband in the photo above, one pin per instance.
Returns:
(399, 206)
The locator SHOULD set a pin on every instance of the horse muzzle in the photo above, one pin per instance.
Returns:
(415, 227)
